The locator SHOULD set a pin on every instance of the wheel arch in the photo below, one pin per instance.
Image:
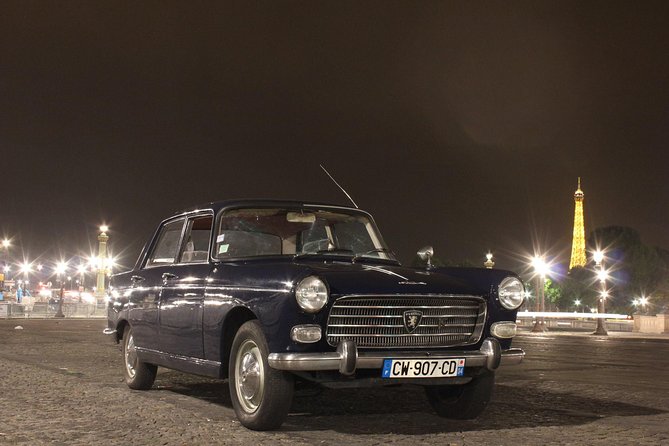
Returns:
(120, 328)
(233, 320)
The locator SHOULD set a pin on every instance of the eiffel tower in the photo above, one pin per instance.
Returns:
(578, 242)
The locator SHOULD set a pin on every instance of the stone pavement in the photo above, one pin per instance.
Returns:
(61, 384)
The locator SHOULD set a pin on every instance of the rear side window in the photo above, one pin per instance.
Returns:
(167, 246)
(198, 234)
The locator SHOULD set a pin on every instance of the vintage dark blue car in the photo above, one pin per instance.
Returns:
(270, 293)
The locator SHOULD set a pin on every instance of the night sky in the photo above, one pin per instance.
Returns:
(458, 124)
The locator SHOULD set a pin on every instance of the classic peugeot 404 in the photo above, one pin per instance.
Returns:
(267, 293)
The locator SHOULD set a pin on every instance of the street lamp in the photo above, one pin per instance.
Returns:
(577, 303)
(602, 275)
(643, 301)
(598, 257)
(60, 270)
(540, 271)
(26, 268)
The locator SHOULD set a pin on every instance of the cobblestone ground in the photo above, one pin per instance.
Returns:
(61, 383)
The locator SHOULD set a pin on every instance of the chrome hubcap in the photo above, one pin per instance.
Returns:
(249, 376)
(130, 356)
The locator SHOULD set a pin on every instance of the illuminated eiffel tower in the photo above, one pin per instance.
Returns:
(578, 242)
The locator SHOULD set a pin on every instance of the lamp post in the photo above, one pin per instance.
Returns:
(26, 269)
(489, 263)
(5, 250)
(60, 270)
(81, 269)
(598, 257)
(540, 271)
(102, 267)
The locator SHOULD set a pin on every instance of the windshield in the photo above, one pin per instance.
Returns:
(301, 232)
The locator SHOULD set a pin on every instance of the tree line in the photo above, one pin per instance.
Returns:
(635, 270)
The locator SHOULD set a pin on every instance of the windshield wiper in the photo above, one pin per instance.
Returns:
(335, 251)
(372, 251)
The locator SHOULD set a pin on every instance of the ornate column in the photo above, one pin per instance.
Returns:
(102, 262)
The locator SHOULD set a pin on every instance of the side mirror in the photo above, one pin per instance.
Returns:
(426, 253)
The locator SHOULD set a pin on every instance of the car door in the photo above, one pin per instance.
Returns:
(182, 293)
(147, 282)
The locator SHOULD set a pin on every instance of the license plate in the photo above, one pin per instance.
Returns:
(422, 368)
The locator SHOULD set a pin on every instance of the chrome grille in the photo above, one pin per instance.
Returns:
(378, 321)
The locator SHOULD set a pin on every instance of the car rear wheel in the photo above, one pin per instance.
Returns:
(138, 375)
(462, 402)
(261, 396)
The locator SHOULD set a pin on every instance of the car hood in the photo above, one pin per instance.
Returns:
(347, 278)
(344, 278)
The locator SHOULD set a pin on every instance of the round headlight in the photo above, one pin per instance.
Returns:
(511, 293)
(311, 294)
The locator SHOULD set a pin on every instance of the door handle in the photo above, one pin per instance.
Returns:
(169, 276)
(135, 279)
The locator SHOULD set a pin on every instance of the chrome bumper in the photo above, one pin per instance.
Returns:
(347, 358)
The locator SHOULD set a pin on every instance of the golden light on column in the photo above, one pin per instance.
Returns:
(489, 263)
(102, 267)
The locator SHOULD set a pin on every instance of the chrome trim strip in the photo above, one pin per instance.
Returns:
(190, 359)
(397, 325)
(426, 295)
(399, 335)
(450, 316)
(236, 288)
(375, 307)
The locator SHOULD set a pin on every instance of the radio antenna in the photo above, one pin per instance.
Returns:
(339, 186)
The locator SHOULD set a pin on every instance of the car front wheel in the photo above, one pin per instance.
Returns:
(138, 375)
(261, 396)
(462, 402)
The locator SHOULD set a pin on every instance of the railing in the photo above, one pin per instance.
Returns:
(575, 321)
(47, 310)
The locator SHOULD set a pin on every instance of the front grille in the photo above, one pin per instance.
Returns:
(379, 321)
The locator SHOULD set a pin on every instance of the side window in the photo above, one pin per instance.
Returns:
(198, 233)
(167, 246)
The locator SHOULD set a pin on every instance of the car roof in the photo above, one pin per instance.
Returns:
(243, 203)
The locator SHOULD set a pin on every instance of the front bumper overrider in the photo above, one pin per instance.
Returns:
(347, 358)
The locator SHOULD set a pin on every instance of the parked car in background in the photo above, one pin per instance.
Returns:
(270, 293)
